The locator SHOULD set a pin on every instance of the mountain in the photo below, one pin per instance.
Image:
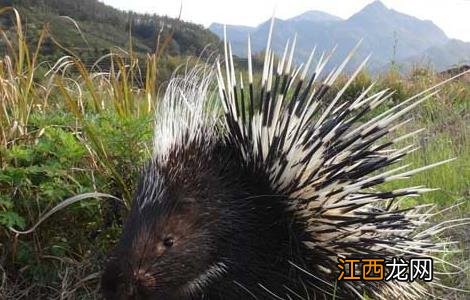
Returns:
(388, 34)
(452, 53)
(239, 32)
(102, 27)
(316, 16)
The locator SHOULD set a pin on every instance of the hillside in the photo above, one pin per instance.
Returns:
(105, 27)
(387, 34)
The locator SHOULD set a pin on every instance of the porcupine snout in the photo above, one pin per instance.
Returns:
(127, 280)
(140, 281)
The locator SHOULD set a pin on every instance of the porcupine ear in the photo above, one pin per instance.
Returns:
(315, 153)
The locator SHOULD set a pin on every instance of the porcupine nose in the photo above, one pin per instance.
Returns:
(143, 279)
(140, 279)
(140, 276)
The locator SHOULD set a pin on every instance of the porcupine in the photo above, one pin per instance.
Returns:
(259, 203)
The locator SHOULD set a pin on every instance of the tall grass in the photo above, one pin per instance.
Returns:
(18, 90)
(67, 129)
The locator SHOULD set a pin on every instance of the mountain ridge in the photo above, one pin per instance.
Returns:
(388, 34)
(316, 16)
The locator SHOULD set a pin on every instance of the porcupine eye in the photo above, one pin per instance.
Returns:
(168, 242)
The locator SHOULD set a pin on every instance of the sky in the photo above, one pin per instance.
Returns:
(452, 16)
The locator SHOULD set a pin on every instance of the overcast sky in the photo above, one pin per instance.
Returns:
(453, 16)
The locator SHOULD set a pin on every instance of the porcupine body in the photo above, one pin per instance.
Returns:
(260, 203)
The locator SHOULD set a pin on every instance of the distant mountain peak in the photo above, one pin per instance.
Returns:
(376, 11)
(315, 16)
(375, 6)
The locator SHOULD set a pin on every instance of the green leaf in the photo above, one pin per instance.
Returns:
(12, 219)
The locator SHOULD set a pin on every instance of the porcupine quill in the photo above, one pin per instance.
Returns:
(259, 203)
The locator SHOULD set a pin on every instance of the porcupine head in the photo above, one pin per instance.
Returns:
(200, 221)
(255, 192)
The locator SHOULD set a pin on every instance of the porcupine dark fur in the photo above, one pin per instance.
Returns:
(260, 203)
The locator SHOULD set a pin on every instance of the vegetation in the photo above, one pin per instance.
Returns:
(68, 129)
(90, 29)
